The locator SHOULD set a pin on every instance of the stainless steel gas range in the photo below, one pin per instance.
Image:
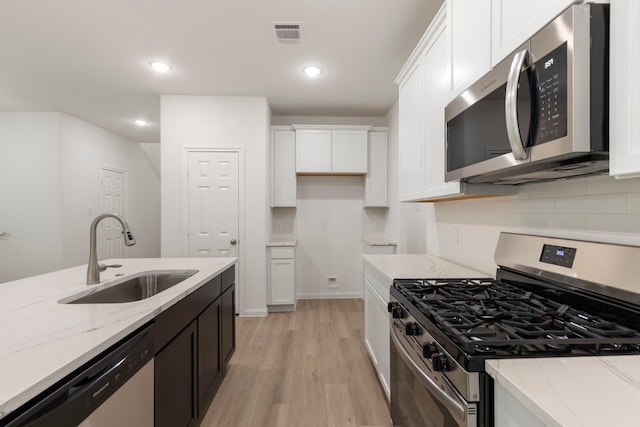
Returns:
(550, 298)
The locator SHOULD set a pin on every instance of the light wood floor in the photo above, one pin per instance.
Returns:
(302, 369)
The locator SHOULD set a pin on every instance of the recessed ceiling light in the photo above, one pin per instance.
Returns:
(140, 122)
(160, 67)
(312, 70)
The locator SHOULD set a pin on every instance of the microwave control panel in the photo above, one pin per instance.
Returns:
(551, 72)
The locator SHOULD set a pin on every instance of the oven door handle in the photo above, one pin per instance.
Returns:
(457, 410)
(511, 104)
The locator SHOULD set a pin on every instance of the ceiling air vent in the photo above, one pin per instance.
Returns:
(288, 32)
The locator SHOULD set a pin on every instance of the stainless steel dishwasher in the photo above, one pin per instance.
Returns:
(115, 389)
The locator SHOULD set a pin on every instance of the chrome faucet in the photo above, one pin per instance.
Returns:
(94, 269)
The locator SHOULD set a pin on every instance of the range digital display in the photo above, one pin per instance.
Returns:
(558, 255)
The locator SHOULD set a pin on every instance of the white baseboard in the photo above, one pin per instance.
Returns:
(254, 312)
(330, 295)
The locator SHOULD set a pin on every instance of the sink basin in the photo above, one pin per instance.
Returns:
(136, 287)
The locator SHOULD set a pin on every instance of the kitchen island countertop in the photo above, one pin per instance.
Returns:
(572, 391)
(42, 340)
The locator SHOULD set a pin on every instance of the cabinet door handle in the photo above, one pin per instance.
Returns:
(233, 241)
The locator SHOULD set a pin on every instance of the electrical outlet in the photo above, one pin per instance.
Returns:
(332, 282)
(278, 225)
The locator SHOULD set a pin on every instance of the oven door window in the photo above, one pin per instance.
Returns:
(412, 404)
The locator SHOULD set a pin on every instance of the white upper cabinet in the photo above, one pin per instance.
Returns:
(313, 150)
(469, 25)
(375, 185)
(411, 132)
(625, 89)
(436, 88)
(424, 91)
(515, 21)
(283, 168)
(349, 151)
(324, 150)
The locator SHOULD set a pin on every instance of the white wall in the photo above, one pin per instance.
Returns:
(29, 194)
(222, 122)
(49, 183)
(597, 208)
(86, 148)
(329, 239)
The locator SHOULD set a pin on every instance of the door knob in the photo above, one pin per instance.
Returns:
(233, 241)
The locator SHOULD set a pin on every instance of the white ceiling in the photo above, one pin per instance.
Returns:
(89, 58)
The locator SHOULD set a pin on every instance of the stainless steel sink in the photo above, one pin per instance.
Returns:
(131, 288)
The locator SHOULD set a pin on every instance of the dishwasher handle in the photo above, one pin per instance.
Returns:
(73, 400)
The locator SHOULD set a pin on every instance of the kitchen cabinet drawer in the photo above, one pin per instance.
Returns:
(282, 252)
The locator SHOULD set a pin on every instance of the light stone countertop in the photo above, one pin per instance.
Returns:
(420, 266)
(379, 242)
(42, 340)
(281, 243)
(574, 391)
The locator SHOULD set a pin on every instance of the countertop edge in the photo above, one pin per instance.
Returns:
(130, 324)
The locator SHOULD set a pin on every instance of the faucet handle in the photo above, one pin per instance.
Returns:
(103, 267)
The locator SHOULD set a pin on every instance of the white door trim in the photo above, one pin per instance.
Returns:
(184, 220)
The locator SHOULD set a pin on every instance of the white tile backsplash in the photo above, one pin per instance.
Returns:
(597, 208)
(597, 204)
(633, 203)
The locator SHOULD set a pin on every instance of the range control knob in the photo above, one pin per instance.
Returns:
(429, 349)
(412, 328)
(396, 310)
(440, 362)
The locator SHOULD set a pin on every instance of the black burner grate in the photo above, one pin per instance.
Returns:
(485, 316)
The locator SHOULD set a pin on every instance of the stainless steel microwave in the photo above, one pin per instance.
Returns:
(540, 114)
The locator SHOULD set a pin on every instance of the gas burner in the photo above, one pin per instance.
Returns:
(487, 316)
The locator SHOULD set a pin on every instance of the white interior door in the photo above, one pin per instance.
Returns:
(112, 197)
(213, 204)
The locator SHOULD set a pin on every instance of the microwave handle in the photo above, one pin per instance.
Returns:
(520, 60)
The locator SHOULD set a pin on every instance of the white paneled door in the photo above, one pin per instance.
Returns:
(213, 203)
(112, 197)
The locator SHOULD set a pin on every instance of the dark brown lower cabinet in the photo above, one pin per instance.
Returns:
(209, 360)
(175, 385)
(228, 327)
(194, 340)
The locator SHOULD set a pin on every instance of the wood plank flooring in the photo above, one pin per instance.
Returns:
(306, 368)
